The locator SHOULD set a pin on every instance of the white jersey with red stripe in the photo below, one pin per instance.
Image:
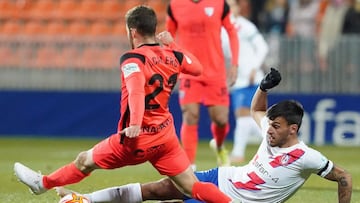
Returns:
(274, 174)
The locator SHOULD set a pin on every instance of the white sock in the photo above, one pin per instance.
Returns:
(130, 193)
(193, 166)
(243, 129)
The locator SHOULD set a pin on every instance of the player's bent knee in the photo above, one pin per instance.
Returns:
(219, 118)
(220, 121)
(84, 163)
(191, 118)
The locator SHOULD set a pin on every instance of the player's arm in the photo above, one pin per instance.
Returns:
(344, 183)
(170, 22)
(259, 102)
(189, 63)
(134, 80)
(233, 42)
(258, 105)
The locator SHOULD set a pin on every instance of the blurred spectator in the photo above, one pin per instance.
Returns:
(257, 9)
(276, 19)
(302, 18)
(330, 29)
(276, 12)
(351, 28)
(301, 28)
(322, 8)
(352, 19)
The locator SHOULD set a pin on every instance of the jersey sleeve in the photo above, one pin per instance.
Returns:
(189, 63)
(232, 33)
(317, 163)
(131, 68)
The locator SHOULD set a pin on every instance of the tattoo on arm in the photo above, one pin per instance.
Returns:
(343, 182)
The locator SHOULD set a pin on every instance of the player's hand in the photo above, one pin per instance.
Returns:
(165, 38)
(270, 80)
(232, 75)
(131, 131)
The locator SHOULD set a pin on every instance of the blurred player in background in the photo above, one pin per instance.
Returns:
(252, 54)
(146, 130)
(196, 24)
(280, 167)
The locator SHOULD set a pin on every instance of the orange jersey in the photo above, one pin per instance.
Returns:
(149, 74)
(197, 27)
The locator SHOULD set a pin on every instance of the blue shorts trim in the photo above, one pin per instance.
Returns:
(242, 97)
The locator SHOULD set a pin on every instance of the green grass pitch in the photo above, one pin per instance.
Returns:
(49, 154)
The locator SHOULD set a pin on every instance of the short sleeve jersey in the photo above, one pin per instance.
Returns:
(274, 174)
(156, 70)
(197, 28)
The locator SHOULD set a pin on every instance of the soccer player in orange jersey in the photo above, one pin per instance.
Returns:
(196, 24)
(146, 130)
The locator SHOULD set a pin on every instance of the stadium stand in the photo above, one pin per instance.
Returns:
(11, 27)
(39, 14)
(66, 9)
(55, 27)
(89, 9)
(111, 9)
(47, 57)
(42, 9)
(78, 28)
(118, 28)
(100, 28)
(6, 52)
(71, 20)
(34, 27)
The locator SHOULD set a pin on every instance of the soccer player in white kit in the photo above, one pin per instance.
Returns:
(252, 54)
(279, 168)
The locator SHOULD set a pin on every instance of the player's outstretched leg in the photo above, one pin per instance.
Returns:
(32, 179)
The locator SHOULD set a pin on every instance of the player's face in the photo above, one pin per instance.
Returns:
(279, 131)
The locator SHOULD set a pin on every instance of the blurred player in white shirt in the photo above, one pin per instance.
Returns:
(279, 168)
(252, 54)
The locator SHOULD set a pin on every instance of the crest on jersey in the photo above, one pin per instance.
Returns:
(285, 160)
(288, 158)
(209, 11)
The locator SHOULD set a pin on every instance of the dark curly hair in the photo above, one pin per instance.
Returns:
(291, 110)
(143, 19)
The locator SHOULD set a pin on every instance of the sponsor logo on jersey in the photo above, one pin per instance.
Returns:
(129, 69)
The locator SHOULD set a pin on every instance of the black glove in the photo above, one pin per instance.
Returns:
(270, 80)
